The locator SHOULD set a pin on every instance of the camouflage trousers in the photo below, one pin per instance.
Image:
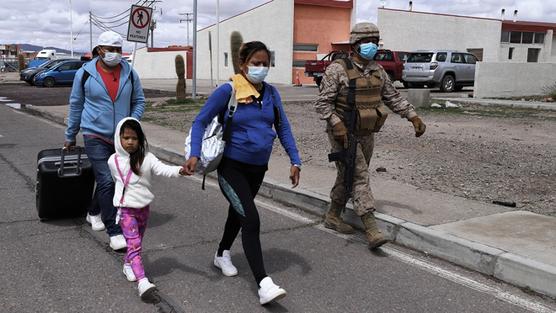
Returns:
(363, 200)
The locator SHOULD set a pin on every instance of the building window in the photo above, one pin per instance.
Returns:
(299, 63)
(533, 55)
(510, 53)
(272, 58)
(515, 37)
(527, 37)
(225, 59)
(505, 36)
(305, 47)
(539, 37)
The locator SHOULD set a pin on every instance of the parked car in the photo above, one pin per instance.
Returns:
(391, 61)
(449, 70)
(60, 74)
(28, 74)
(316, 68)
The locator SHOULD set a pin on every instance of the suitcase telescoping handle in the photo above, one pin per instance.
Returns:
(70, 171)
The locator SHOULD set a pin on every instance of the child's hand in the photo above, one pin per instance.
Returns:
(182, 171)
(190, 165)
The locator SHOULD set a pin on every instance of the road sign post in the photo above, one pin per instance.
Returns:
(139, 21)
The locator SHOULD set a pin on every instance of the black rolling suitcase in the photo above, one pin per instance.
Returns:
(65, 183)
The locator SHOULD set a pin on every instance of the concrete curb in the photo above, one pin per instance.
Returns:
(508, 267)
(502, 103)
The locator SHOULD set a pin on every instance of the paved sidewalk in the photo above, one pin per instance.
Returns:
(514, 246)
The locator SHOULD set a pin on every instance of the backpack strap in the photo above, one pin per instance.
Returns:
(84, 80)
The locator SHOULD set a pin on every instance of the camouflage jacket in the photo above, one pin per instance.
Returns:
(335, 82)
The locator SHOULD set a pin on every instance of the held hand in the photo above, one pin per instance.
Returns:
(339, 131)
(294, 175)
(190, 165)
(418, 125)
(69, 145)
(182, 170)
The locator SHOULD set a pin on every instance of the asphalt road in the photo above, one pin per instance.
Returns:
(63, 266)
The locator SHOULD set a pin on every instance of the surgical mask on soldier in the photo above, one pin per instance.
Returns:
(257, 74)
(112, 58)
(368, 50)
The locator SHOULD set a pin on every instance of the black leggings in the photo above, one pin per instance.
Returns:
(240, 183)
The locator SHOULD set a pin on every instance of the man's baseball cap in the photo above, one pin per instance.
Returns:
(109, 38)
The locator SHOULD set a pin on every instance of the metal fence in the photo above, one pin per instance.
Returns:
(9, 65)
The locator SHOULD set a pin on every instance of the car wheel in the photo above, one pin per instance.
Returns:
(448, 83)
(49, 82)
(30, 82)
(318, 80)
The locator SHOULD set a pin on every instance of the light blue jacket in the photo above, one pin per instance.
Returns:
(94, 112)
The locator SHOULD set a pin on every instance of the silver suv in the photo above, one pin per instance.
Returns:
(449, 70)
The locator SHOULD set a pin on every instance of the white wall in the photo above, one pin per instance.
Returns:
(271, 23)
(158, 65)
(504, 79)
(408, 31)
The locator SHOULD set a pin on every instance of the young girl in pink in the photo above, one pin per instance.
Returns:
(132, 167)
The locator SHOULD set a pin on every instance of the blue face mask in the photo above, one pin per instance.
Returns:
(368, 50)
(257, 74)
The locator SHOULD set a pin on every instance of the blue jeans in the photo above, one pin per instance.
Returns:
(98, 152)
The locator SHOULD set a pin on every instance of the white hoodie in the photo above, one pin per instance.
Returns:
(137, 193)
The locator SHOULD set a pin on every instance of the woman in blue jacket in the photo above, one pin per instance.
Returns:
(246, 156)
(105, 90)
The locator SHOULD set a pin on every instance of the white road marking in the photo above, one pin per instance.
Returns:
(16, 106)
(428, 266)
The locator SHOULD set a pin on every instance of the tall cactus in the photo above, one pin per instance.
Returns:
(180, 71)
(235, 43)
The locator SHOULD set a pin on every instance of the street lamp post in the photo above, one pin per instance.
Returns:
(71, 28)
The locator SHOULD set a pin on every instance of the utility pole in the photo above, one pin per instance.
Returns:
(194, 89)
(217, 43)
(91, 32)
(187, 19)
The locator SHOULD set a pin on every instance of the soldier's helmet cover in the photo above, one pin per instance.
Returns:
(363, 30)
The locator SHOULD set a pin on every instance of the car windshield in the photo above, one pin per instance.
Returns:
(420, 57)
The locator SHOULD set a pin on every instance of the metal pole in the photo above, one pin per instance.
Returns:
(217, 43)
(133, 58)
(194, 85)
(91, 32)
(71, 29)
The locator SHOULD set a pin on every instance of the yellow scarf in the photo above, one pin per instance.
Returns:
(244, 89)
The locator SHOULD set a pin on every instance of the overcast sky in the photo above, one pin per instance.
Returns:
(47, 22)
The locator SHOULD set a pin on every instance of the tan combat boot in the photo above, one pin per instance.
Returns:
(374, 236)
(333, 220)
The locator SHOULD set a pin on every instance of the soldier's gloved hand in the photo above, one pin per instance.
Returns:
(339, 131)
(418, 125)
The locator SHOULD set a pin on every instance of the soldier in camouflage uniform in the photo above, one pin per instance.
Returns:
(371, 89)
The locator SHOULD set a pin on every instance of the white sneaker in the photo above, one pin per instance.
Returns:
(95, 221)
(269, 291)
(224, 263)
(117, 242)
(145, 288)
(128, 272)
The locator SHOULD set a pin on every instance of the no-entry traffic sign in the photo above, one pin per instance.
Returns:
(139, 21)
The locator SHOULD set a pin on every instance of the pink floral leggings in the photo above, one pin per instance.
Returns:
(134, 223)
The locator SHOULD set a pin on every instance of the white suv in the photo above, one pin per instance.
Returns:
(449, 70)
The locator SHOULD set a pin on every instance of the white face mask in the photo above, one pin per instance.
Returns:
(257, 74)
(112, 58)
